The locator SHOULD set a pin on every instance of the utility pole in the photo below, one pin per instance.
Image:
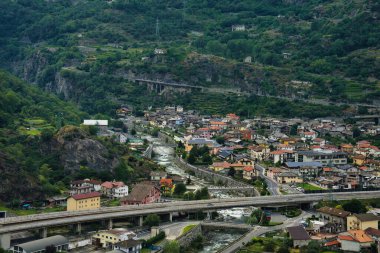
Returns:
(157, 29)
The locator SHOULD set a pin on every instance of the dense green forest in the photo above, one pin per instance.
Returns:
(87, 50)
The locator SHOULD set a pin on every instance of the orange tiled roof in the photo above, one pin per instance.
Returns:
(346, 238)
(360, 236)
(248, 168)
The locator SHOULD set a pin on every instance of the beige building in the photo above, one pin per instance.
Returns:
(288, 178)
(85, 201)
(335, 218)
(362, 221)
(106, 239)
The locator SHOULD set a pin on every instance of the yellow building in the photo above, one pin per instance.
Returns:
(85, 201)
(107, 238)
(288, 178)
(362, 221)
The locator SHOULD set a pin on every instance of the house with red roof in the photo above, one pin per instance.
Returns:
(355, 241)
(114, 189)
(249, 172)
(142, 193)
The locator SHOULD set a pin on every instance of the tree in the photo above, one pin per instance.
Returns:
(313, 247)
(133, 131)
(231, 172)
(180, 189)
(283, 249)
(269, 247)
(220, 140)
(152, 220)
(293, 130)
(191, 158)
(171, 247)
(184, 155)
(356, 132)
(354, 206)
(206, 158)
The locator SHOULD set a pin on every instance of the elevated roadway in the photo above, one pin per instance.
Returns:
(38, 221)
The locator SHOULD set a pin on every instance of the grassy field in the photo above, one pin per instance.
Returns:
(20, 212)
(188, 228)
(309, 187)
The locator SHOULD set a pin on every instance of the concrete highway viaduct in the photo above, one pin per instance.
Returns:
(44, 221)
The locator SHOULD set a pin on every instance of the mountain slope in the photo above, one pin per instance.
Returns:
(304, 49)
(42, 147)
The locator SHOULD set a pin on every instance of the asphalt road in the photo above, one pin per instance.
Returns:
(260, 230)
(272, 185)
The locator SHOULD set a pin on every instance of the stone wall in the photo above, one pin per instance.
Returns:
(186, 239)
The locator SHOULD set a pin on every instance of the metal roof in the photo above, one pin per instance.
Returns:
(303, 164)
(43, 243)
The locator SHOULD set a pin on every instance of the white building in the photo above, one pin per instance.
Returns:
(95, 122)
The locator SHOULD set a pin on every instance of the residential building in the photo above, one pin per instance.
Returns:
(128, 246)
(108, 238)
(249, 172)
(281, 156)
(288, 178)
(219, 166)
(84, 186)
(200, 142)
(59, 242)
(336, 218)
(273, 172)
(259, 153)
(354, 241)
(158, 175)
(114, 189)
(86, 201)
(299, 236)
(142, 193)
(326, 158)
(363, 221)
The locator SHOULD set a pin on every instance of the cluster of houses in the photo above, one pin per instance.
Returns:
(86, 194)
(294, 150)
(339, 230)
(116, 240)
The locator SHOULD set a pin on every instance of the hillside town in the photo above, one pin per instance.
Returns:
(272, 156)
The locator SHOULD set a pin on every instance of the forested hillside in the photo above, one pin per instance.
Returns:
(43, 148)
(86, 51)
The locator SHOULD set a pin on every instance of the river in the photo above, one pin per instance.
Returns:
(217, 239)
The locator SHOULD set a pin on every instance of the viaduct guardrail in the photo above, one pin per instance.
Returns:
(22, 223)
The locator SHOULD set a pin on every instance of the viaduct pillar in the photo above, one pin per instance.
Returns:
(141, 221)
(79, 228)
(43, 232)
(5, 241)
(171, 217)
(110, 224)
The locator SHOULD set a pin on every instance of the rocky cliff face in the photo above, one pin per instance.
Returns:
(76, 149)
